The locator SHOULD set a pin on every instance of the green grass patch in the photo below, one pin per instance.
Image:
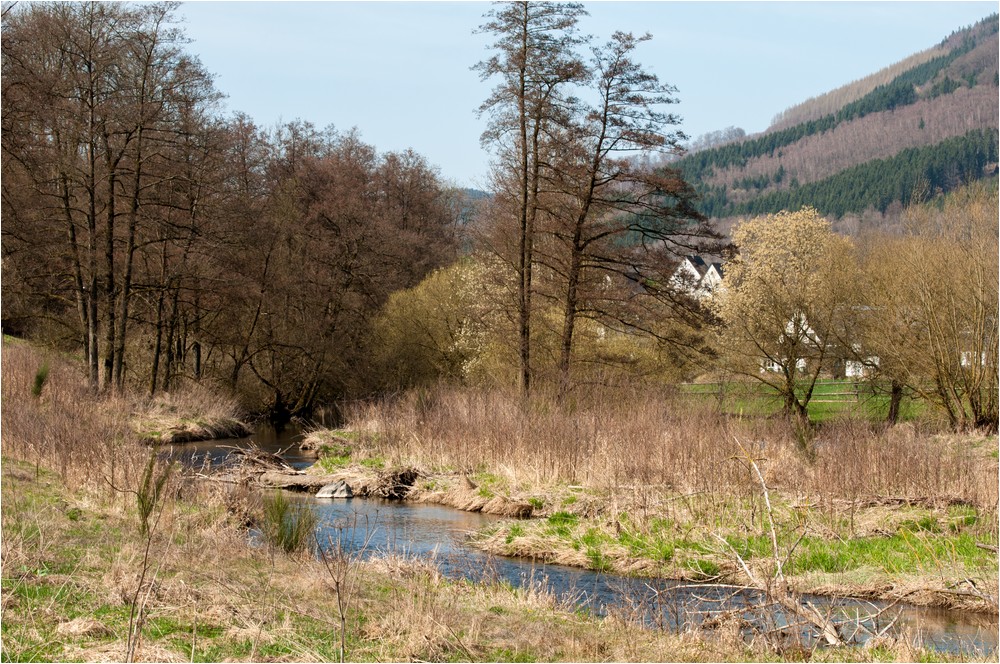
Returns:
(906, 552)
(830, 400)
(961, 517)
(754, 546)
(516, 530)
(334, 462)
(561, 524)
(704, 568)
(652, 546)
(927, 523)
(489, 485)
(508, 655)
(374, 462)
(594, 538)
(598, 561)
(563, 519)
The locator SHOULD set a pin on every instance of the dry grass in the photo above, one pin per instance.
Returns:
(86, 439)
(622, 440)
(649, 483)
(72, 556)
(193, 413)
(69, 573)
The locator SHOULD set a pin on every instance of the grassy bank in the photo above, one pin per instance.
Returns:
(109, 556)
(921, 555)
(651, 485)
(81, 584)
(833, 399)
(192, 415)
(921, 551)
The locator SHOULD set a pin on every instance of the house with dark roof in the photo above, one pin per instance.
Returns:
(698, 276)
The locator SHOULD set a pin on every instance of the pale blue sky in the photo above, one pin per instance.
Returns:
(400, 71)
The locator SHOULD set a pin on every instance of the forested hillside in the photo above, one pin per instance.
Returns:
(920, 127)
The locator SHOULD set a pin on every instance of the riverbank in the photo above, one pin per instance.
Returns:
(80, 583)
(90, 572)
(926, 553)
(195, 414)
(923, 549)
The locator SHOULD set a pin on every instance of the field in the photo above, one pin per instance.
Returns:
(831, 400)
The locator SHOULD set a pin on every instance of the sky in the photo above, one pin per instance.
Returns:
(400, 72)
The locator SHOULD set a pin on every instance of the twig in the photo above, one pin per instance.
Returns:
(779, 576)
(457, 639)
(779, 591)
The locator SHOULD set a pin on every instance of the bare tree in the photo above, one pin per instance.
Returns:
(930, 300)
(535, 62)
(94, 90)
(618, 229)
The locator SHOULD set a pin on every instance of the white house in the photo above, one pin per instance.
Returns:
(697, 276)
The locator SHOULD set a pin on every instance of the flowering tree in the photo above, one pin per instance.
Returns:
(783, 302)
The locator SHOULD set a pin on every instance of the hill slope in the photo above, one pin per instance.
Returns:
(918, 128)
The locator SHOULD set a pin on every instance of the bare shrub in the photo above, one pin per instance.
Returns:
(340, 558)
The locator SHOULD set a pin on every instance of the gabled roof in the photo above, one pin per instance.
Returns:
(698, 263)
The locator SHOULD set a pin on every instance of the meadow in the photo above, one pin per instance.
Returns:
(110, 554)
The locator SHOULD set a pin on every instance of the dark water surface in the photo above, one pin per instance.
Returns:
(213, 453)
(437, 533)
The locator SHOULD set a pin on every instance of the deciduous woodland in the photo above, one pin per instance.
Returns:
(168, 243)
(770, 360)
(294, 266)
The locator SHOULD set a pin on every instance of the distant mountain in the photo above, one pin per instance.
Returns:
(919, 128)
(476, 194)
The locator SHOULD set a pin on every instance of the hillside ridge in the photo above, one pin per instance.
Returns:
(931, 102)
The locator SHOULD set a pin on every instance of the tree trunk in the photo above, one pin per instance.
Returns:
(157, 345)
(168, 370)
(895, 400)
(109, 275)
(126, 291)
(92, 327)
(569, 316)
(526, 247)
(81, 292)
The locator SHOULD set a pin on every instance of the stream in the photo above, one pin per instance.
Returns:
(368, 527)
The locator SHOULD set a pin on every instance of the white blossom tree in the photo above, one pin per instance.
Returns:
(783, 301)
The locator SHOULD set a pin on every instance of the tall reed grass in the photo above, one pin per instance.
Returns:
(623, 438)
(64, 426)
(288, 526)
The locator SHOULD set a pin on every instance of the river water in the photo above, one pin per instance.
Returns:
(366, 527)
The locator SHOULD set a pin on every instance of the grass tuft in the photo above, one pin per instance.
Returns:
(288, 526)
(40, 377)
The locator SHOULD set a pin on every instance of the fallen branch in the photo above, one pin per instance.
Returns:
(776, 589)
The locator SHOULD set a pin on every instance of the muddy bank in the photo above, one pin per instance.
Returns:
(400, 483)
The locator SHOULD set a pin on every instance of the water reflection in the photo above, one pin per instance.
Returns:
(439, 533)
(213, 453)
